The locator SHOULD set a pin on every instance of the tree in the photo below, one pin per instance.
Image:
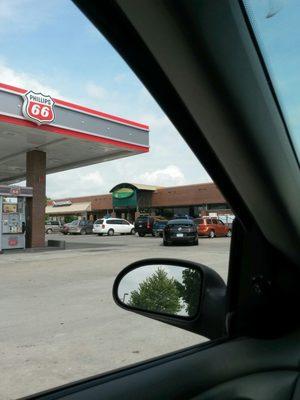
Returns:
(157, 293)
(190, 290)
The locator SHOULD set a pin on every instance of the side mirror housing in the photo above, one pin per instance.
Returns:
(181, 293)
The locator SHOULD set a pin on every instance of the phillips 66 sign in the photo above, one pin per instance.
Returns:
(38, 108)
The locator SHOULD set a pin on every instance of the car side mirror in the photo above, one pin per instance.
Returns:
(185, 294)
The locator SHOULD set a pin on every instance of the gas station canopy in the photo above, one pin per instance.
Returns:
(69, 134)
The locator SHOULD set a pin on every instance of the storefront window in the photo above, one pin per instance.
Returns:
(217, 206)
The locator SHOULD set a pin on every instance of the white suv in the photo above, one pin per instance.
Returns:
(111, 226)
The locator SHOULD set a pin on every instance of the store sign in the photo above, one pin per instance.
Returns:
(10, 208)
(61, 203)
(123, 193)
(13, 241)
(38, 108)
(15, 191)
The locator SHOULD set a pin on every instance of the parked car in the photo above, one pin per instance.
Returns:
(144, 225)
(212, 227)
(65, 228)
(81, 227)
(111, 226)
(159, 226)
(52, 226)
(181, 216)
(180, 231)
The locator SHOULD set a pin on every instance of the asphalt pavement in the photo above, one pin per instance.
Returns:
(58, 322)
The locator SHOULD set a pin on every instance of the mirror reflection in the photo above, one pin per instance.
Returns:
(167, 289)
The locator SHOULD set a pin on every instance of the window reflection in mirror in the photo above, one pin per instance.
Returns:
(167, 289)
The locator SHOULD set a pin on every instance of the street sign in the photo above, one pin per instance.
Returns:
(38, 108)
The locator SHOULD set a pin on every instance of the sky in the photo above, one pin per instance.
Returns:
(51, 47)
(277, 29)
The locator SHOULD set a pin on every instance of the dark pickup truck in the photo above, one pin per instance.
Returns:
(144, 225)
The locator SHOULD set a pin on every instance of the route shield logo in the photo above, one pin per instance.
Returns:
(38, 108)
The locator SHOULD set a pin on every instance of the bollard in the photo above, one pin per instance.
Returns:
(60, 244)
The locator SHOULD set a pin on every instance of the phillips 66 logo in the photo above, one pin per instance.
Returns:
(38, 108)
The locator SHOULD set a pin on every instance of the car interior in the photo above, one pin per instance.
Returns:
(201, 62)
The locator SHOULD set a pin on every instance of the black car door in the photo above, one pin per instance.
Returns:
(90, 225)
(201, 62)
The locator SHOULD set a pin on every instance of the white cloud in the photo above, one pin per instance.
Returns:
(25, 81)
(96, 91)
(156, 121)
(77, 182)
(93, 178)
(169, 162)
(169, 176)
(12, 20)
(120, 78)
(6, 9)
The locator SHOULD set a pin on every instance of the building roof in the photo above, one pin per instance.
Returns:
(138, 186)
(196, 194)
(77, 135)
(73, 208)
(188, 195)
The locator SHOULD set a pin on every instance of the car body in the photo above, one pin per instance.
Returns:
(65, 228)
(179, 216)
(212, 227)
(80, 227)
(180, 231)
(144, 225)
(110, 226)
(52, 226)
(159, 226)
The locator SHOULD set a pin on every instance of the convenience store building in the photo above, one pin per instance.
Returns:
(129, 200)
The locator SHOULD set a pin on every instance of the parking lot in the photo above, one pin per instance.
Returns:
(58, 322)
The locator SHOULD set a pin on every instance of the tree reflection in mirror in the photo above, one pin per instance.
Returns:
(167, 289)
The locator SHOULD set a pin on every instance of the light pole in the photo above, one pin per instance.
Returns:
(125, 294)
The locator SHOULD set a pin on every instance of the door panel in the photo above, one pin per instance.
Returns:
(125, 227)
(122, 227)
(215, 226)
(241, 369)
(275, 385)
(222, 228)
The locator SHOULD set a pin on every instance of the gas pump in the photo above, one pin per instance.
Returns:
(13, 216)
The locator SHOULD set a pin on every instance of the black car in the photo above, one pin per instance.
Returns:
(159, 226)
(180, 216)
(180, 231)
(144, 225)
